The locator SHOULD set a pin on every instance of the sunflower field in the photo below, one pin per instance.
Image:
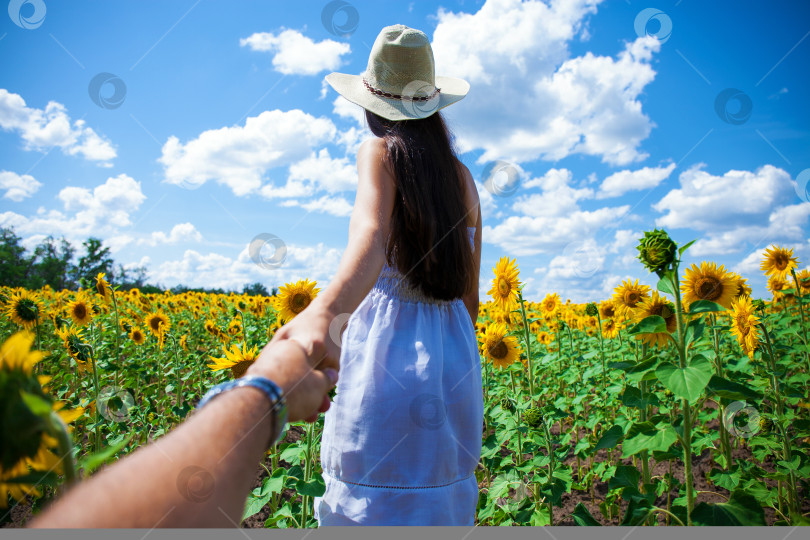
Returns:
(686, 404)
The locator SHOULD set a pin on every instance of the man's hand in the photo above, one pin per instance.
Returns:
(306, 389)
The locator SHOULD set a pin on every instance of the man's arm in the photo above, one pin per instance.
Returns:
(198, 475)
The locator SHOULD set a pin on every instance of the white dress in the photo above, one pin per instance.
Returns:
(402, 438)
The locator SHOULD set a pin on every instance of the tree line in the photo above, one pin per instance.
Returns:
(54, 262)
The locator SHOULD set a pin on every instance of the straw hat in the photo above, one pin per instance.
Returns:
(400, 82)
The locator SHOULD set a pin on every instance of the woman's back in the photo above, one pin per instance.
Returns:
(402, 438)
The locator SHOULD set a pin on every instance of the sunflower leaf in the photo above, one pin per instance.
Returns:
(725, 388)
(685, 247)
(665, 286)
(649, 325)
(94, 461)
(704, 306)
(610, 439)
(583, 517)
(36, 404)
(688, 382)
(741, 509)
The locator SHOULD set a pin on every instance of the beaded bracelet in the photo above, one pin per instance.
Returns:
(270, 389)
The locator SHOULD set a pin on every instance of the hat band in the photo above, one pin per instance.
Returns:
(389, 95)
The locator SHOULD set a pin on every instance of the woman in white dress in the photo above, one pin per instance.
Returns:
(402, 438)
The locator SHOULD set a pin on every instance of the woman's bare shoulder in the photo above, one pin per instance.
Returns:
(373, 151)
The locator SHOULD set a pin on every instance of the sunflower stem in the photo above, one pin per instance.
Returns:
(801, 313)
(117, 332)
(726, 448)
(602, 353)
(58, 430)
(793, 506)
(687, 417)
(528, 348)
(307, 473)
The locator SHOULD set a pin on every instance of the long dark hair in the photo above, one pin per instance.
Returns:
(428, 240)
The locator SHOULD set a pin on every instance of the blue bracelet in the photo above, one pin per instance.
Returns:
(270, 389)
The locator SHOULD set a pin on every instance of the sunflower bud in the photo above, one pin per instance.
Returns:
(765, 424)
(533, 416)
(656, 250)
(506, 404)
(591, 310)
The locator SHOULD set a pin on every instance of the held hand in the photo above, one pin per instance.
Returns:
(305, 389)
(318, 331)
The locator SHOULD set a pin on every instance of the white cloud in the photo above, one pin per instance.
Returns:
(557, 197)
(528, 98)
(182, 232)
(195, 269)
(735, 209)
(45, 128)
(294, 53)
(351, 111)
(337, 174)
(240, 156)
(785, 223)
(707, 202)
(336, 206)
(525, 235)
(18, 187)
(103, 210)
(552, 219)
(621, 182)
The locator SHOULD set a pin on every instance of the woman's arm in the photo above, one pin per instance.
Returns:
(361, 262)
(199, 474)
(471, 298)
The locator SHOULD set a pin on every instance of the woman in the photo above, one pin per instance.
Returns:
(403, 436)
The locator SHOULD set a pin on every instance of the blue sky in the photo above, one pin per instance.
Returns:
(177, 132)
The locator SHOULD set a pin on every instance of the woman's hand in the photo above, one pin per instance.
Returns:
(305, 388)
(318, 331)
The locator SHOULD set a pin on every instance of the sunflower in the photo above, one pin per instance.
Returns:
(235, 328)
(743, 289)
(607, 310)
(184, 342)
(74, 343)
(609, 329)
(627, 295)
(81, 309)
(803, 278)
(776, 285)
(103, 287)
(500, 348)
(237, 359)
(211, 327)
(505, 285)
(709, 282)
(157, 322)
(295, 297)
(24, 308)
(500, 316)
(551, 303)
(161, 337)
(656, 305)
(544, 337)
(137, 335)
(30, 445)
(778, 262)
(744, 325)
